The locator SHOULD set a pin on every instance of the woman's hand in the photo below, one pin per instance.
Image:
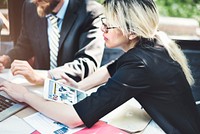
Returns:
(16, 91)
(19, 67)
(68, 81)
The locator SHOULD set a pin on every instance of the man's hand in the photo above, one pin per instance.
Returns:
(5, 61)
(19, 67)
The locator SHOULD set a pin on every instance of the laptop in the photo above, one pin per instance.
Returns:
(8, 106)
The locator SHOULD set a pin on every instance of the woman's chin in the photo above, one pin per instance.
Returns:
(109, 46)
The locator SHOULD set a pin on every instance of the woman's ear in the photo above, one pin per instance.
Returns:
(132, 36)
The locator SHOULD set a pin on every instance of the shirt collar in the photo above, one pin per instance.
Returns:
(61, 12)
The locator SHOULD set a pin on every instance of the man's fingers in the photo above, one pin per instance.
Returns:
(23, 69)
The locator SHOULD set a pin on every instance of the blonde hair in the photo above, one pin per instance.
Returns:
(141, 17)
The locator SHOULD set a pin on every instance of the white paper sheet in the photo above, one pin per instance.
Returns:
(46, 125)
(13, 125)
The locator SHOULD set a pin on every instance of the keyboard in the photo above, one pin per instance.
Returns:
(5, 103)
(9, 107)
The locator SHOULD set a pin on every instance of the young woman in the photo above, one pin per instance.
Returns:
(153, 70)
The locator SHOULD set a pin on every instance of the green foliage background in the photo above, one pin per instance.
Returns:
(178, 8)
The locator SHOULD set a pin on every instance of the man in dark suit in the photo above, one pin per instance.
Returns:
(80, 45)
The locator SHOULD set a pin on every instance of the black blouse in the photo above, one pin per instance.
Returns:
(156, 81)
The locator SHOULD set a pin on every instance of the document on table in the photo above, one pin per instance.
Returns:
(45, 125)
(153, 128)
(13, 125)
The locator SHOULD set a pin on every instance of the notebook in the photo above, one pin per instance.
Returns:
(8, 106)
(129, 117)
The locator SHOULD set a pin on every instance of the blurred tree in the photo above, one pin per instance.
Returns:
(100, 1)
(179, 8)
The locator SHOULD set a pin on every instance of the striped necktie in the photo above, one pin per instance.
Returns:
(54, 37)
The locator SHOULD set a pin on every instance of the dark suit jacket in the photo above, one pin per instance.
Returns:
(79, 33)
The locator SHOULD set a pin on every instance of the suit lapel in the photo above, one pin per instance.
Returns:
(43, 38)
(70, 17)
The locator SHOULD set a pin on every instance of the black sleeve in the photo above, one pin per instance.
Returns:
(102, 102)
(112, 68)
(114, 93)
(22, 49)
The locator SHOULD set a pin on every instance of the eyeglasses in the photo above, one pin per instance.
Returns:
(104, 26)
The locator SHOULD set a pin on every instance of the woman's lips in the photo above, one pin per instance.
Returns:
(105, 38)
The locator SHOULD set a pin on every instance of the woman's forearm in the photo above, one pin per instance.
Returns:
(97, 78)
(60, 112)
